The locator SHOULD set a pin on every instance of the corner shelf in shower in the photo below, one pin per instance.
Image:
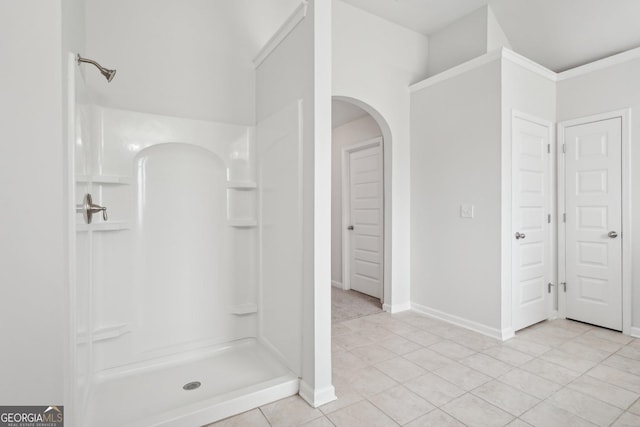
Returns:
(104, 226)
(104, 333)
(242, 185)
(242, 203)
(244, 309)
(104, 179)
(242, 223)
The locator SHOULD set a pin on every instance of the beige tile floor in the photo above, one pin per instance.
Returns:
(346, 305)
(408, 369)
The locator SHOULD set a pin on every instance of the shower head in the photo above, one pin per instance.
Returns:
(108, 74)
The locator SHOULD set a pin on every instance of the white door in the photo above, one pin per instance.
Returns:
(366, 218)
(531, 239)
(593, 199)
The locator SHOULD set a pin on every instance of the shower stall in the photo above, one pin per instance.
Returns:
(188, 253)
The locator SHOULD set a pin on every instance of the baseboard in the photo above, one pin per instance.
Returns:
(396, 308)
(634, 331)
(336, 284)
(317, 398)
(502, 335)
(507, 333)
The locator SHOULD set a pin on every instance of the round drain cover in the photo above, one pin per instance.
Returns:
(192, 385)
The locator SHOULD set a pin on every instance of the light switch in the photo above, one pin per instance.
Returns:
(466, 210)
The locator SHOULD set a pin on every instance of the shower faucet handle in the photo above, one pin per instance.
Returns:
(88, 208)
(97, 208)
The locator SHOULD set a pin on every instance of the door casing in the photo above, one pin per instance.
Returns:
(625, 116)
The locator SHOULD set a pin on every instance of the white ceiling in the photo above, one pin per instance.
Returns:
(423, 16)
(558, 34)
(563, 34)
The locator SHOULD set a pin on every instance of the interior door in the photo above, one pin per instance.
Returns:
(593, 198)
(366, 192)
(531, 244)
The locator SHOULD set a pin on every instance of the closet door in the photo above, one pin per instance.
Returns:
(593, 240)
(531, 238)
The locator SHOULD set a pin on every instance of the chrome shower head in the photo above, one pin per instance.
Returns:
(107, 73)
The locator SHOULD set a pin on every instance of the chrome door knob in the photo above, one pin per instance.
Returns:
(520, 235)
(612, 234)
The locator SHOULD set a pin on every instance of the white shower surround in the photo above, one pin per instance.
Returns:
(160, 172)
(156, 306)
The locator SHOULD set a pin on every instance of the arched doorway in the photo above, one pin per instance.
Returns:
(359, 132)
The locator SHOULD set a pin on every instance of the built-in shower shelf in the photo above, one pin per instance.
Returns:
(104, 226)
(104, 179)
(104, 333)
(243, 309)
(242, 223)
(110, 332)
(242, 185)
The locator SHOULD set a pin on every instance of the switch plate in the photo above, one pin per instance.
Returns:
(466, 210)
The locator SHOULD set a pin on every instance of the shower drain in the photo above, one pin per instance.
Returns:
(192, 385)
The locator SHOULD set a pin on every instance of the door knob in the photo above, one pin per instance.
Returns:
(350, 227)
(88, 208)
(612, 234)
(520, 235)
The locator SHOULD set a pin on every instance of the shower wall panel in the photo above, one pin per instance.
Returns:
(174, 268)
(281, 246)
(181, 241)
(80, 118)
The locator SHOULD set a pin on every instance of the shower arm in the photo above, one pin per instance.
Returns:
(107, 73)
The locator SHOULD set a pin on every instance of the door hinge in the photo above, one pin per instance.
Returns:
(564, 148)
(549, 148)
(564, 217)
(549, 285)
(549, 218)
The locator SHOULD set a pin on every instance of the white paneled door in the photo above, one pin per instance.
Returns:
(593, 198)
(365, 223)
(531, 238)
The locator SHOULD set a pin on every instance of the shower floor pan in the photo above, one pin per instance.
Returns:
(233, 379)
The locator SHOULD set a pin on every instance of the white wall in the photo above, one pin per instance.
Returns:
(374, 61)
(455, 159)
(358, 130)
(610, 89)
(471, 36)
(190, 58)
(73, 25)
(33, 268)
(496, 38)
(457, 122)
(295, 71)
(458, 42)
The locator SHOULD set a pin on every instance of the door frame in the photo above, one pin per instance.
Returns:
(346, 210)
(625, 116)
(551, 260)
